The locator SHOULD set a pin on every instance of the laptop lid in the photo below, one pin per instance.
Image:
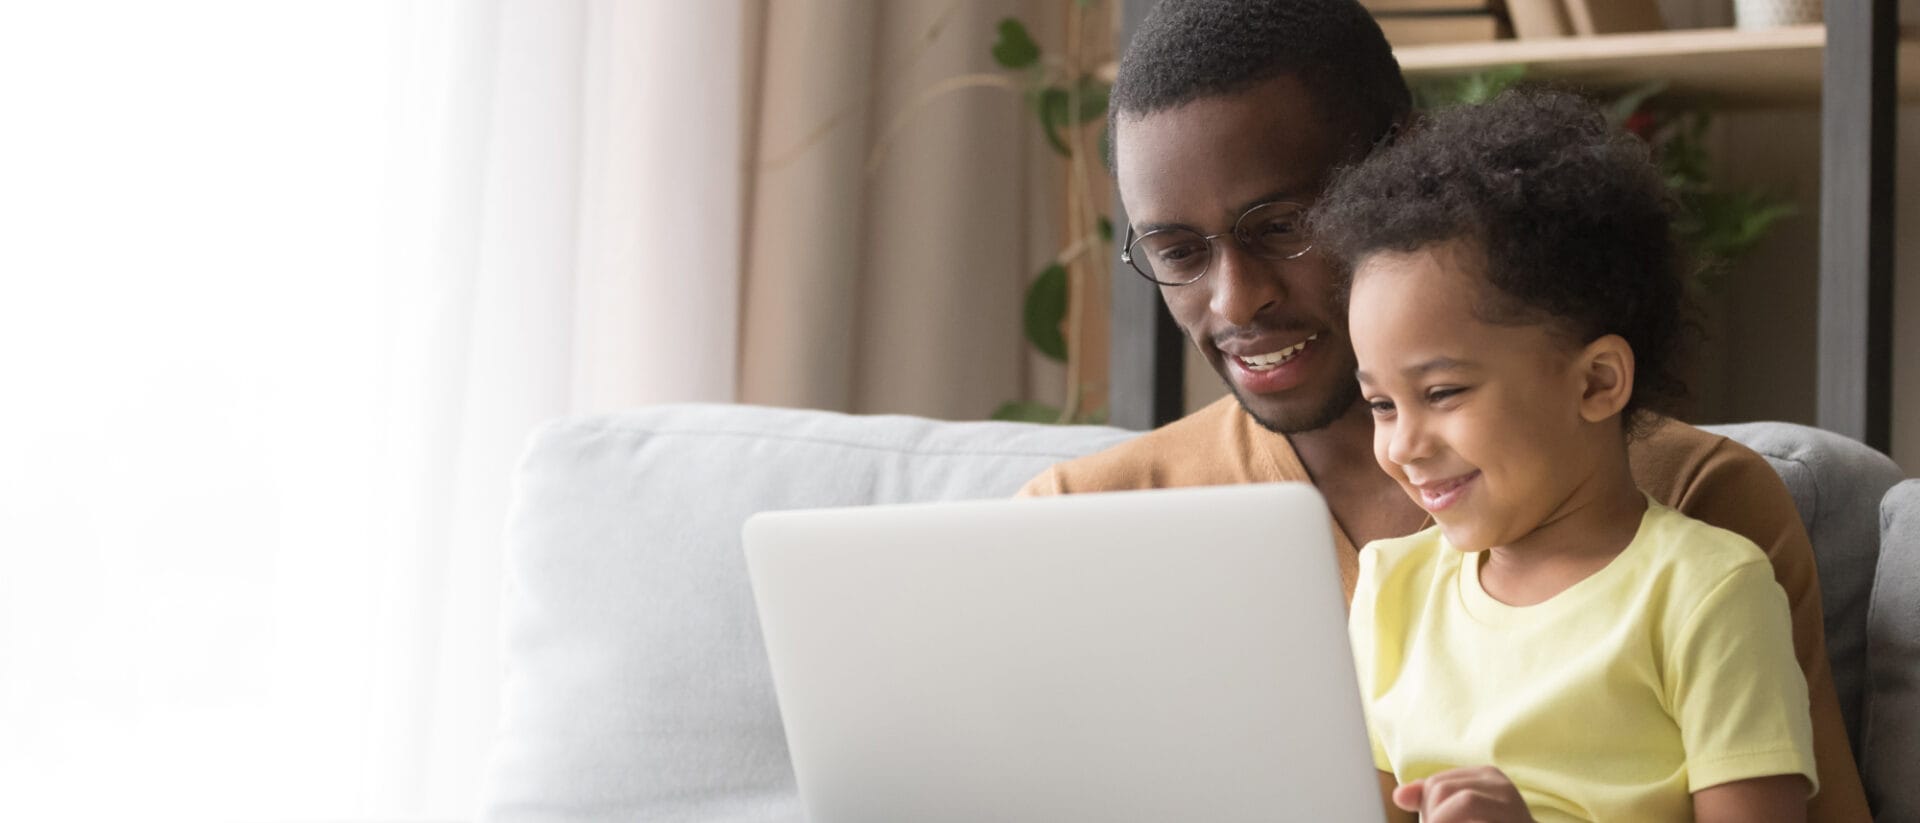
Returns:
(1135, 656)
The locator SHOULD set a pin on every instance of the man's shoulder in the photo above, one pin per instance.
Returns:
(1677, 463)
(1216, 445)
(1668, 439)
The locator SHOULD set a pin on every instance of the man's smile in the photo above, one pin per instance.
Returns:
(1269, 365)
(1271, 359)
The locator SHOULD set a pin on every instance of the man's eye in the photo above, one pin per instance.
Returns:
(1284, 227)
(1178, 254)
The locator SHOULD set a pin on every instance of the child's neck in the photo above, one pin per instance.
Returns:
(1591, 527)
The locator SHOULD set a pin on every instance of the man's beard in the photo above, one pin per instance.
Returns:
(1339, 402)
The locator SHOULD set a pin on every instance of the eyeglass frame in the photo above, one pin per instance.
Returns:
(1126, 250)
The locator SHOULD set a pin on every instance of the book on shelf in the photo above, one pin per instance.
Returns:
(1539, 19)
(1430, 29)
(1591, 17)
(1404, 6)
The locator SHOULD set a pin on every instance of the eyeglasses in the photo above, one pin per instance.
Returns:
(1176, 257)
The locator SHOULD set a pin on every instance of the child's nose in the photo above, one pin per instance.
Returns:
(1410, 442)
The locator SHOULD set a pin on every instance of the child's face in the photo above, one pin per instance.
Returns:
(1481, 424)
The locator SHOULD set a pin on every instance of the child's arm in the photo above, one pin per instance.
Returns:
(1781, 798)
(1394, 813)
(1740, 702)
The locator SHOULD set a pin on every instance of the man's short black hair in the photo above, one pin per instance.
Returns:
(1569, 214)
(1190, 49)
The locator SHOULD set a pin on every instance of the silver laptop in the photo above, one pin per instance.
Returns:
(1136, 656)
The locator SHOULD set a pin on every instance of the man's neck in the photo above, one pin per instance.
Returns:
(1366, 503)
(1340, 450)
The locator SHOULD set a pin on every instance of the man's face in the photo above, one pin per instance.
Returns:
(1269, 327)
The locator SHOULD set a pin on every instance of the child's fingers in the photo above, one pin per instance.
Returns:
(1407, 795)
(1478, 793)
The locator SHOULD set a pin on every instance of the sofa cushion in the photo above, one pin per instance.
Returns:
(1836, 483)
(637, 685)
(1891, 768)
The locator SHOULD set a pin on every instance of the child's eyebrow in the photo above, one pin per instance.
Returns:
(1424, 367)
(1439, 364)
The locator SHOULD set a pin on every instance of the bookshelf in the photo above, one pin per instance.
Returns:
(1721, 66)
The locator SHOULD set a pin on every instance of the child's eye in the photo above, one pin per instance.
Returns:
(1443, 393)
(1380, 408)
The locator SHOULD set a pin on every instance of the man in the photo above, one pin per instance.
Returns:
(1229, 117)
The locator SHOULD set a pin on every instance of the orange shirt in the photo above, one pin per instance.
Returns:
(1705, 476)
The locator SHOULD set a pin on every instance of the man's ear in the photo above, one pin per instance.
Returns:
(1606, 372)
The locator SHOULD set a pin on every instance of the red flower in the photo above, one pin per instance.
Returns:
(1641, 124)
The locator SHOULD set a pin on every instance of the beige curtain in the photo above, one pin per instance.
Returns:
(898, 205)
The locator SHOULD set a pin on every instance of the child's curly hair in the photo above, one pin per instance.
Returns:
(1571, 216)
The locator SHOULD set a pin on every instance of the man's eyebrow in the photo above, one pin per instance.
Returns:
(1291, 194)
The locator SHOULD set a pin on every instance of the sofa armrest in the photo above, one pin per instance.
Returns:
(1890, 766)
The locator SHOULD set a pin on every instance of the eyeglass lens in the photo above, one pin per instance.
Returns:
(1179, 256)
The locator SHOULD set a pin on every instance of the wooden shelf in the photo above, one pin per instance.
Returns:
(1726, 66)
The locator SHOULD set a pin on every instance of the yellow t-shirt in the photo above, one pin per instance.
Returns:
(1668, 671)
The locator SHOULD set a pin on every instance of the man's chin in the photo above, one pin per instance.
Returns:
(1298, 414)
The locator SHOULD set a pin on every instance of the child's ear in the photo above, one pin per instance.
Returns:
(1606, 370)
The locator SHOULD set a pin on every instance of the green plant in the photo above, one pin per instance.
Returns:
(1716, 225)
(1067, 97)
(1067, 94)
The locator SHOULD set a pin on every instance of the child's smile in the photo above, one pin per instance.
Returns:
(1436, 495)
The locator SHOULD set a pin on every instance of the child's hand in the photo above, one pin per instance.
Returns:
(1477, 795)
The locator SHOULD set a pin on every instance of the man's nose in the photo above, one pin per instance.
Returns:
(1243, 285)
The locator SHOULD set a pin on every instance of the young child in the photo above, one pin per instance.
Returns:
(1559, 646)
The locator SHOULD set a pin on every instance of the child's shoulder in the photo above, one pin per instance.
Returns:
(1415, 556)
(1692, 556)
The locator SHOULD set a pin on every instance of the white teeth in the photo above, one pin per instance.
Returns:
(1262, 362)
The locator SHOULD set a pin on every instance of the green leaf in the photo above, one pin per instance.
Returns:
(1721, 226)
(1021, 411)
(1478, 87)
(1059, 111)
(1014, 49)
(1626, 104)
(1093, 98)
(1046, 307)
(1051, 104)
(1105, 227)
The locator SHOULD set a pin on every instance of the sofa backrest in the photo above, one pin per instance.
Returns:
(637, 684)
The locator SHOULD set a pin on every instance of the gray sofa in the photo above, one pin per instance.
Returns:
(637, 687)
